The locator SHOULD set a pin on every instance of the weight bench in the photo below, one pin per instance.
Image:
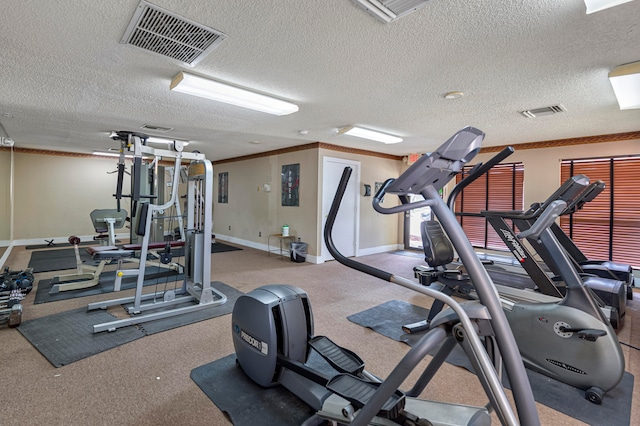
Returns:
(86, 276)
(107, 254)
(127, 251)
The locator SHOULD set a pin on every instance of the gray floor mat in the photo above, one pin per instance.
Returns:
(245, 402)
(388, 318)
(67, 337)
(174, 322)
(57, 260)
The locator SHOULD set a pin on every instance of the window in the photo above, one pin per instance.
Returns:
(607, 228)
(500, 189)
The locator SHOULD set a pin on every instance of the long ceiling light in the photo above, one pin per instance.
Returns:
(153, 139)
(166, 141)
(369, 134)
(598, 5)
(625, 80)
(390, 10)
(221, 92)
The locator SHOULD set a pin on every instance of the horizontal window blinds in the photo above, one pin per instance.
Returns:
(607, 228)
(500, 189)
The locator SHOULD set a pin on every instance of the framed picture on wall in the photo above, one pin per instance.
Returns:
(223, 187)
(290, 185)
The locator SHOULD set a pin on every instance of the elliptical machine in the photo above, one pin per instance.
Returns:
(567, 338)
(272, 328)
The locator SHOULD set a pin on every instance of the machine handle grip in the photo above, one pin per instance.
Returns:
(377, 199)
(545, 220)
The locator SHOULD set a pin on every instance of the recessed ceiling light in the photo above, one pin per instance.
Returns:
(454, 95)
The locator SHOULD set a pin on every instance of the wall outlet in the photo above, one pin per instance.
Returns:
(259, 234)
(229, 227)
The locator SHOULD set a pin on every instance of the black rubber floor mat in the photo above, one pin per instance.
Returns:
(67, 337)
(153, 276)
(190, 318)
(57, 260)
(388, 318)
(243, 401)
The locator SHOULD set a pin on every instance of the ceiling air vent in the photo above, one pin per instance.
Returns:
(161, 32)
(539, 112)
(156, 128)
(390, 10)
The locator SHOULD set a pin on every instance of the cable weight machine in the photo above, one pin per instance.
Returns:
(196, 289)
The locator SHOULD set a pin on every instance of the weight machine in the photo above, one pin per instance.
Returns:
(87, 276)
(196, 289)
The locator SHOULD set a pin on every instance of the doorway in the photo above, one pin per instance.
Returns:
(412, 220)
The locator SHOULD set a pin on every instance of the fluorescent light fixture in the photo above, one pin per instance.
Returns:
(390, 10)
(166, 141)
(221, 92)
(110, 154)
(377, 9)
(598, 5)
(369, 134)
(625, 80)
(154, 139)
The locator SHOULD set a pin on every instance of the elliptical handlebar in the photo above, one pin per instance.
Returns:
(479, 170)
(328, 228)
(426, 176)
(377, 199)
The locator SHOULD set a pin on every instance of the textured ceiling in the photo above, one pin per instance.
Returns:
(67, 80)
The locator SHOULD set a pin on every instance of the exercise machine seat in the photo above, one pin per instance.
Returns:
(438, 250)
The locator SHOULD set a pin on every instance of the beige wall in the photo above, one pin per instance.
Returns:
(54, 194)
(376, 230)
(5, 199)
(253, 213)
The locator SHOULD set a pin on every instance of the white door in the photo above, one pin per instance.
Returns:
(345, 229)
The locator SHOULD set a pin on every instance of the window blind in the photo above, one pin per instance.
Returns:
(607, 228)
(500, 189)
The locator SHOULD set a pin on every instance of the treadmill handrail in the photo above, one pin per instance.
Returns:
(546, 219)
(570, 191)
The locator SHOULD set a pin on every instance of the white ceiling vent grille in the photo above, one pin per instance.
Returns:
(539, 112)
(161, 32)
(156, 128)
(390, 10)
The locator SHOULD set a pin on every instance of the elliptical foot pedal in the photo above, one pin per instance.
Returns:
(343, 360)
(416, 327)
(358, 392)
